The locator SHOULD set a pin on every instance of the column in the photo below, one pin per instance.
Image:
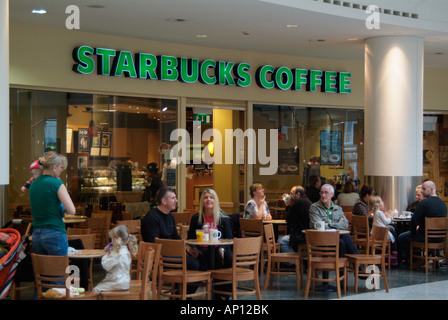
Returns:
(4, 110)
(394, 117)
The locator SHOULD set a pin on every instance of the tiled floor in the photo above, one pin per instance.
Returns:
(403, 285)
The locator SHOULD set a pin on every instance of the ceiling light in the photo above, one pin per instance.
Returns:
(292, 26)
(201, 36)
(39, 11)
(164, 108)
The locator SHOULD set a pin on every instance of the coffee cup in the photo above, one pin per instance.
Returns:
(319, 225)
(215, 234)
(199, 235)
(286, 198)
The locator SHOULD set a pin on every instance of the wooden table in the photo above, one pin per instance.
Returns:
(402, 225)
(212, 245)
(330, 230)
(275, 224)
(87, 253)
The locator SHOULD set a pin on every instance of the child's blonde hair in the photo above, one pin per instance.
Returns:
(121, 237)
(374, 204)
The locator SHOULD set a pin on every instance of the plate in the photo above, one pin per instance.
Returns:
(334, 158)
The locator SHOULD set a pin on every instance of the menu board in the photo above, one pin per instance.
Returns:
(331, 148)
(288, 160)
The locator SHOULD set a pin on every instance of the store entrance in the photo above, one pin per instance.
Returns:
(217, 155)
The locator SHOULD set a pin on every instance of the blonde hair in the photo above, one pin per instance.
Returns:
(254, 188)
(121, 237)
(216, 209)
(51, 159)
(374, 204)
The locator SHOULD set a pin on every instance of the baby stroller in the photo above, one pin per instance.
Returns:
(15, 244)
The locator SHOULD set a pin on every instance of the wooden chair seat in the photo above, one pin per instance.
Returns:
(378, 242)
(323, 255)
(275, 258)
(245, 262)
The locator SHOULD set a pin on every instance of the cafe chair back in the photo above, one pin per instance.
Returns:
(76, 231)
(53, 272)
(88, 242)
(137, 273)
(361, 233)
(141, 288)
(182, 218)
(435, 246)
(173, 270)
(376, 256)
(275, 258)
(246, 255)
(323, 255)
(134, 227)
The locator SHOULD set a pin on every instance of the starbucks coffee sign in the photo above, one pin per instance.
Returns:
(119, 63)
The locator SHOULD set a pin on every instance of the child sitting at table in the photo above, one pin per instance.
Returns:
(383, 219)
(117, 260)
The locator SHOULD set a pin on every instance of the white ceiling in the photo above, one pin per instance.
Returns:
(256, 25)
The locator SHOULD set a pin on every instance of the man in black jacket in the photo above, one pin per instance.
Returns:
(432, 207)
(297, 219)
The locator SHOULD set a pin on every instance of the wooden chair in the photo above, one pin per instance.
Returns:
(127, 215)
(254, 228)
(88, 241)
(141, 288)
(183, 232)
(435, 240)
(173, 269)
(378, 242)
(98, 226)
(323, 255)
(349, 215)
(246, 256)
(152, 276)
(78, 231)
(108, 220)
(182, 218)
(134, 227)
(361, 233)
(347, 209)
(52, 272)
(275, 258)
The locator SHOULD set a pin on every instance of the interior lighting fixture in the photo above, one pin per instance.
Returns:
(39, 11)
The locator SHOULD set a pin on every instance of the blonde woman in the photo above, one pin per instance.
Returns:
(210, 216)
(47, 193)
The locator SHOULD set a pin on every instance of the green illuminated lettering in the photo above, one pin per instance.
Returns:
(146, 70)
(84, 63)
(104, 56)
(224, 74)
(205, 78)
(244, 78)
(314, 79)
(124, 64)
(168, 68)
(283, 78)
(329, 82)
(300, 78)
(261, 77)
(344, 82)
(189, 71)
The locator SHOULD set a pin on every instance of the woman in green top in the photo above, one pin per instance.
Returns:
(47, 193)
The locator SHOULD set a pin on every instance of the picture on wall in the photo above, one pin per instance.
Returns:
(331, 148)
(83, 140)
(288, 160)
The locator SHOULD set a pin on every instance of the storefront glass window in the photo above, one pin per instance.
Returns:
(334, 135)
(108, 140)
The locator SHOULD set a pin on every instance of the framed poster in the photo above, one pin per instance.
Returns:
(83, 140)
(288, 160)
(331, 148)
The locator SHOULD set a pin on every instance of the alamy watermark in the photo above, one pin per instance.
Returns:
(256, 146)
(73, 21)
(373, 20)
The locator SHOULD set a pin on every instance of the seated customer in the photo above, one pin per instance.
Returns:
(159, 222)
(210, 216)
(348, 196)
(257, 208)
(325, 210)
(297, 219)
(418, 196)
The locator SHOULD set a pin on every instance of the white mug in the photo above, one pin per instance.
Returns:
(215, 234)
(319, 225)
(206, 237)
